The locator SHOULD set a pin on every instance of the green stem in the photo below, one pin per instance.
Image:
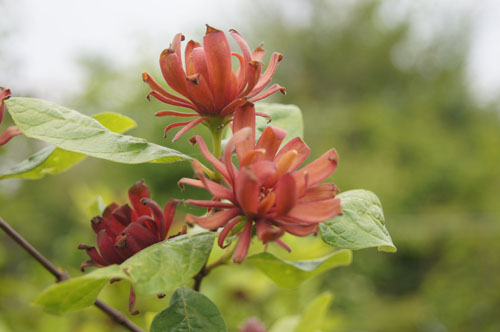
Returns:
(216, 132)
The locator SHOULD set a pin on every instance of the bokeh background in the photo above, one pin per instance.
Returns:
(407, 92)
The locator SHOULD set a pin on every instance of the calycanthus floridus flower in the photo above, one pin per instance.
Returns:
(123, 231)
(267, 190)
(207, 82)
(11, 131)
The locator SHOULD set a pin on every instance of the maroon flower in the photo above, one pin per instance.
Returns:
(266, 190)
(207, 82)
(122, 231)
(11, 131)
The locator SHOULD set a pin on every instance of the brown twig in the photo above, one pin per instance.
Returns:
(205, 270)
(61, 275)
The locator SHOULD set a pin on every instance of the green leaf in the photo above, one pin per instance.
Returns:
(314, 315)
(52, 160)
(70, 130)
(287, 117)
(291, 274)
(78, 293)
(361, 226)
(189, 311)
(157, 269)
(169, 264)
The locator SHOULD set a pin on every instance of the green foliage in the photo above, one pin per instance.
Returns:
(156, 269)
(362, 224)
(189, 311)
(287, 117)
(291, 274)
(73, 131)
(52, 160)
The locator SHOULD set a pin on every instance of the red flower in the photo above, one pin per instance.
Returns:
(267, 190)
(123, 231)
(208, 84)
(11, 131)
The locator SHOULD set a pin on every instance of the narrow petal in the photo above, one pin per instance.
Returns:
(214, 221)
(174, 125)
(169, 213)
(190, 182)
(150, 224)
(316, 171)
(258, 53)
(283, 245)
(240, 139)
(296, 144)
(216, 189)
(200, 66)
(157, 215)
(231, 107)
(155, 86)
(266, 232)
(187, 127)
(210, 204)
(267, 76)
(241, 250)
(9, 134)
(176, 45)
(272, 90)
(219, 63)
(286, 194)
(93, 254)
(270, 140)
(163, 98)
(315, 212)
(225, 231)
(137, 192)
(285, 163)
(245, 117)
(110, 224)
(254, 68)
(125, 215)
(177, 114)
(219, 166)
(4, 95)
(247, 191)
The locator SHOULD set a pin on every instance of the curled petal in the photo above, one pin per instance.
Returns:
(157, 215)
(124, 214)
(4, 95)
(150, 224)
(210, 204)
(268, 74)
(131, 302)
(9, 134)
(254, 68)
(93, 254)
(178, 114)
(150, 81)
(266, 232)
(137, 192)
(225, 231)
(272, 90)
(241, 250)
(142, 236)
(109, 222)
(283, 245)
(190, 182)
(231, 107)
(258, 53)
(167, 100)
(168, 214)
(219, 191)
(214, 221)
(188, 57)
(239, 139)
(219, 166)
(188, 126)
(171, 68)
(245, 117)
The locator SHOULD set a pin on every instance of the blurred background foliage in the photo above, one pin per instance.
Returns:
(406, 126)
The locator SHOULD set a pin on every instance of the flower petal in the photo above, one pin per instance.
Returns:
(298, 145)
(247, 191)
(177, 114)
(106, 246)
(266, 232)
(225, 231)
(157, 215)
(210, 204)
(171, 68)
(217, 190)
(316, 171)
(286, 194)
(320, 192)
(188, 57)
(124, 214)
(137, 192)
(244, 117)
(188, 126)
(272, 90)
(214, 221)
(151, 82)
(219, 64)
(143, 236)
(299, 230)
(219, 166)
(9, 134)
(317, 211)
(200, 93)
(241, 250)
(267, 76)
(169, 213)
(239, 139)
(270, 140)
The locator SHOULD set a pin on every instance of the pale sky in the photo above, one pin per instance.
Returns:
(49, 35)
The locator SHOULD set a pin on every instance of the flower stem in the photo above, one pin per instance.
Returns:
(208, 268)
(62, 275)
(216, 131)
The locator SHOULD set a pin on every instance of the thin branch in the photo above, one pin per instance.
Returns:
(61, 275)
(205, 270)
